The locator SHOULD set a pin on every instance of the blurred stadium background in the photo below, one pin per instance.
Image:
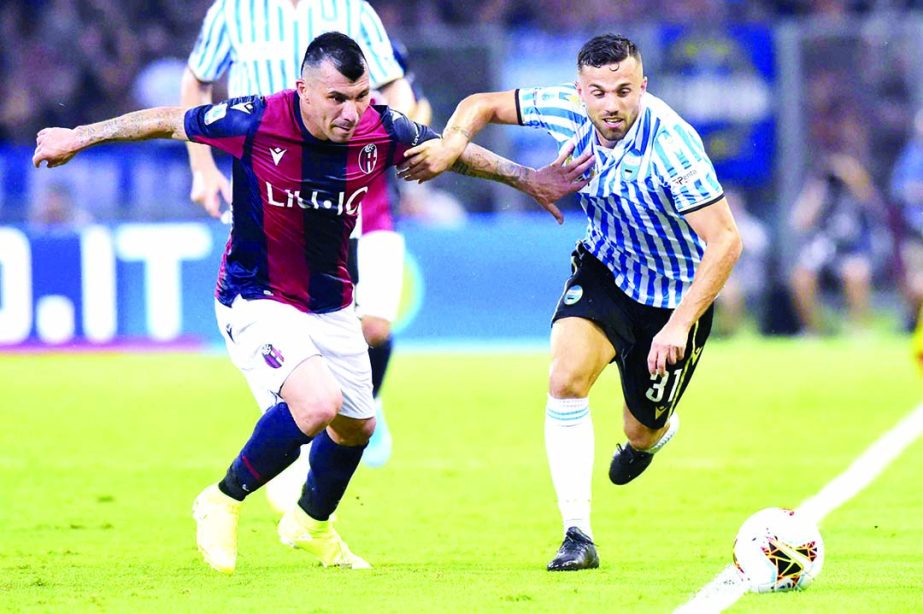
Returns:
(775, 88)
(108, 253)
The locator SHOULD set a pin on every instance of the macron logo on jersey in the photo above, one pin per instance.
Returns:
(277, 153)
(244, 107)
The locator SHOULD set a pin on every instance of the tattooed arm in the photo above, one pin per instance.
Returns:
(431, 158)
(475, 161)
(56, 146)
(545, 185)
(456, 152)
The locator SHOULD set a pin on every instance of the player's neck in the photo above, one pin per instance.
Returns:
(603, 142)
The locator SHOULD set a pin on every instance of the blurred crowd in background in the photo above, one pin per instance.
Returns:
(858, 212)
(95, 54)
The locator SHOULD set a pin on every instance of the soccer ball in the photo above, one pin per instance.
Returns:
(778, 550)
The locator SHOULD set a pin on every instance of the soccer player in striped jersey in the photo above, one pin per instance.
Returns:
(305, 160)
(659, 245)
(259, 44)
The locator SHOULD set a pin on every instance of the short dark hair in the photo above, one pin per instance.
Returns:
(344, 52)
(606, 49)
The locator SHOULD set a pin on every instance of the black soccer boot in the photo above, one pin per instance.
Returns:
(576, 552)
(627, 464)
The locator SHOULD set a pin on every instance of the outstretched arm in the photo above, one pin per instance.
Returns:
(545, 185)
(431, 158)
(56, 146)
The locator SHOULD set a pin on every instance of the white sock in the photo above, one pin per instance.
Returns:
(666, 437)
(569, 444)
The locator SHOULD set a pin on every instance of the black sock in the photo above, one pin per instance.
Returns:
(273, 446)
(379, 356)
(332, 466)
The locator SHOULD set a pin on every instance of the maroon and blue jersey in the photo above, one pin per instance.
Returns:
(295, 197)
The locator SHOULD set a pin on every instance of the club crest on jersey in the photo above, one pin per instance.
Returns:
(573, 294)
(272, 355)
(215, 113)
(588, 174)
(630, 165)
(368, 158)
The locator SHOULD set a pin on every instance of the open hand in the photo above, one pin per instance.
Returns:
(207, 184)
(565, 175)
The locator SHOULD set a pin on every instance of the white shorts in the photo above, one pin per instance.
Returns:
(380, 259)
(267, 339)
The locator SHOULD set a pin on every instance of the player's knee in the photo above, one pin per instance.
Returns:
(364, 432)
(567, 382)
(352, 432)
(375, 330)
(317, 411)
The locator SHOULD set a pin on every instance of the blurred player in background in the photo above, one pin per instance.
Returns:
(906, 189)
(660, 243)
(907, 194)
(835, 212)
(421, 110)
(284, 297)
(744, 289)
(377, 268)
(260, 45)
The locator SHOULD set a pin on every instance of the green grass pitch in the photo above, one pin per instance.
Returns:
(102, 455)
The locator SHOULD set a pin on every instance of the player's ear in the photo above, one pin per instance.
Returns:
(301, 88)
(643, 85)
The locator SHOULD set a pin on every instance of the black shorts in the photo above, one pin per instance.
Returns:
(591, 294)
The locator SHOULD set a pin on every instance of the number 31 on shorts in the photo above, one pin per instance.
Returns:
(655, 393)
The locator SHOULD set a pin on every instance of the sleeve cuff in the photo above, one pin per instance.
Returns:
(518, 108)
(702, 205)
(197, 77)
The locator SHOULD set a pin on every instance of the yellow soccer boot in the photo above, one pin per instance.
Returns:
(298, 530)
(216, 516)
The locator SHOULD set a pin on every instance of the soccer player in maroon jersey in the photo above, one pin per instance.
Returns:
(305, 159)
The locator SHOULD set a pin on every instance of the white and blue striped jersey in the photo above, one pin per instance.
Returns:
(639, 192)
(262, 42)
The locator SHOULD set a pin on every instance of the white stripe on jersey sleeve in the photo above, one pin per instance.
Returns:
(376, 46)
(682, 163)
(556, 109)
(211, 55)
